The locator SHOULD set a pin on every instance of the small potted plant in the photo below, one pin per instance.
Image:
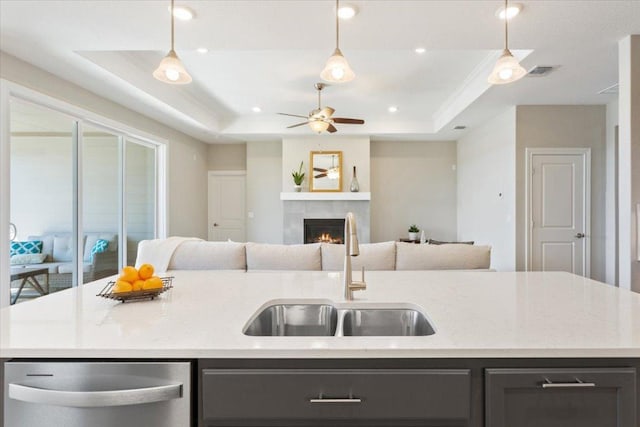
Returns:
(298, 177)
(413, 232)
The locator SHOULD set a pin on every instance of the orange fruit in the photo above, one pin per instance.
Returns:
(138, 284)
(152, 283)
(145, 271)
(122, 286)
(129, 274)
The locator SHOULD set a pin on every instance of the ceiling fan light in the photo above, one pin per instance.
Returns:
(506, 70)
(318, 126)
(333, 173)
(337, 69)
(171, 70)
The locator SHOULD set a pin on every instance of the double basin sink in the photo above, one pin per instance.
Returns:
(302, 319)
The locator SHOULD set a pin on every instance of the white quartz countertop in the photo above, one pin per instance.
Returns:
(475, 314)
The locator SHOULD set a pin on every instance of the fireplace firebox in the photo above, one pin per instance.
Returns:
(323, 230)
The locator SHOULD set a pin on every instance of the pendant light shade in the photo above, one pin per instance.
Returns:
(171, 69)
(507, 68)
(337, 69)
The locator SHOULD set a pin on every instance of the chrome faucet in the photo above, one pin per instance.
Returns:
(351, 249)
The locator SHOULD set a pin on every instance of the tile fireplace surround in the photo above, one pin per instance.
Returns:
(298, 206)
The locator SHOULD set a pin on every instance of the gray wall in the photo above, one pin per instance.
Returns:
(564, 126)
(486, 188)
(227, 157)
(264, 183)
(413, 183)
(611, 247)
(187, 156)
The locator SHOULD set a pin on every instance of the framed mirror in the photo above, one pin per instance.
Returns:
(326, 168)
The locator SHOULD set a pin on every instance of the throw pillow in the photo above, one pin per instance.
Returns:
(100, 246)
(28, 259)
(27, 247)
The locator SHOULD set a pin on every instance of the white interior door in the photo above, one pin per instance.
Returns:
(559, 211)
(227, 206)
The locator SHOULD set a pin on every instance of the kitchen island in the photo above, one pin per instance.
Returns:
(521, 322)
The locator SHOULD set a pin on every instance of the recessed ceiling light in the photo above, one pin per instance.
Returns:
(392, 109)
(256, 109)
(183, 13)
(347, 11)
(202, 50)
(420, 50)
(512, 11)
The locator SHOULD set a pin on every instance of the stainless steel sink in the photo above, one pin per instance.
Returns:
(300, 320)
(385, 322)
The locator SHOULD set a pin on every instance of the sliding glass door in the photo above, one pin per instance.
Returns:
(82, 196)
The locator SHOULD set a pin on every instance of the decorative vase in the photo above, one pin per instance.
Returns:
(413, 236)
(423, 238)
(355, 185)
(297, 188)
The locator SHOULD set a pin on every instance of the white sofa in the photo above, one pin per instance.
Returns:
(58, 251)
(204, 255)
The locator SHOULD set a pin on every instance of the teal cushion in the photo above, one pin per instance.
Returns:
(28, 247)
(100, 246)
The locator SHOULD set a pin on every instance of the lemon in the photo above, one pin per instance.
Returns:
(122, 286)
(152, 283)
(129, 274)
(145, 271)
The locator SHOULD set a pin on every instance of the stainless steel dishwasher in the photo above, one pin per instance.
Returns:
(111, 394)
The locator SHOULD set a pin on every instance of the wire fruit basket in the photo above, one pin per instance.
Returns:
(107, 291)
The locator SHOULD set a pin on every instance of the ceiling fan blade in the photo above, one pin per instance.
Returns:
(319, 170)
(296, 125)
(348, 121)
(331, 129)
(322, 175)
(327, 112)
(293, 115)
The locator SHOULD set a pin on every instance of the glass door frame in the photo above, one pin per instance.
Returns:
(10, 90)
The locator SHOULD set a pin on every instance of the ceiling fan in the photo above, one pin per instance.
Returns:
(321, 118)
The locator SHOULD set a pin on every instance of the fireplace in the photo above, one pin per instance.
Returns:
(323, 230)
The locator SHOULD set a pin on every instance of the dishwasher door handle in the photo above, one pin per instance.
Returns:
(95, 399)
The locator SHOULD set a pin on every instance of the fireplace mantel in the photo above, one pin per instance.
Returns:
(319, 196)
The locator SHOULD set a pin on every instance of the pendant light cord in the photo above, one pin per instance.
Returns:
(172, 25)
(337, 25)
(506, 26)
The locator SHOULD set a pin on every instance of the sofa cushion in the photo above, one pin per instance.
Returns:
(99, 247)
(410, 256)
(28, 259)
(27, 247)
(90, 241)
(203, 255)
(67, 268)
(62, 248)
(262, 256)
(373, 256)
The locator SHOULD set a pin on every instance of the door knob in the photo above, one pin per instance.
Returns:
(215, 224)
(580, 235)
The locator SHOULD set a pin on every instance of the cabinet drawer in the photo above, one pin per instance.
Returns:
(272, 394)
(561, 397)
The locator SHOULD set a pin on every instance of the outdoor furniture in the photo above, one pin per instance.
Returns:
(28, 276)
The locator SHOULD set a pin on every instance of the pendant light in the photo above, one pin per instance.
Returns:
(507, 68)
(171, 69)
(337, 69)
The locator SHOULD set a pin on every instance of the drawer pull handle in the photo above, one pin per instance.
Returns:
(345, 400)
(578, 384)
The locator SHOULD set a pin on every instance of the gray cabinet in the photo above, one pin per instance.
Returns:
(589, 397)
(425, 397)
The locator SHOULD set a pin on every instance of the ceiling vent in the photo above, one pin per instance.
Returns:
(540, 70)
(611, 90)
(460, 128)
